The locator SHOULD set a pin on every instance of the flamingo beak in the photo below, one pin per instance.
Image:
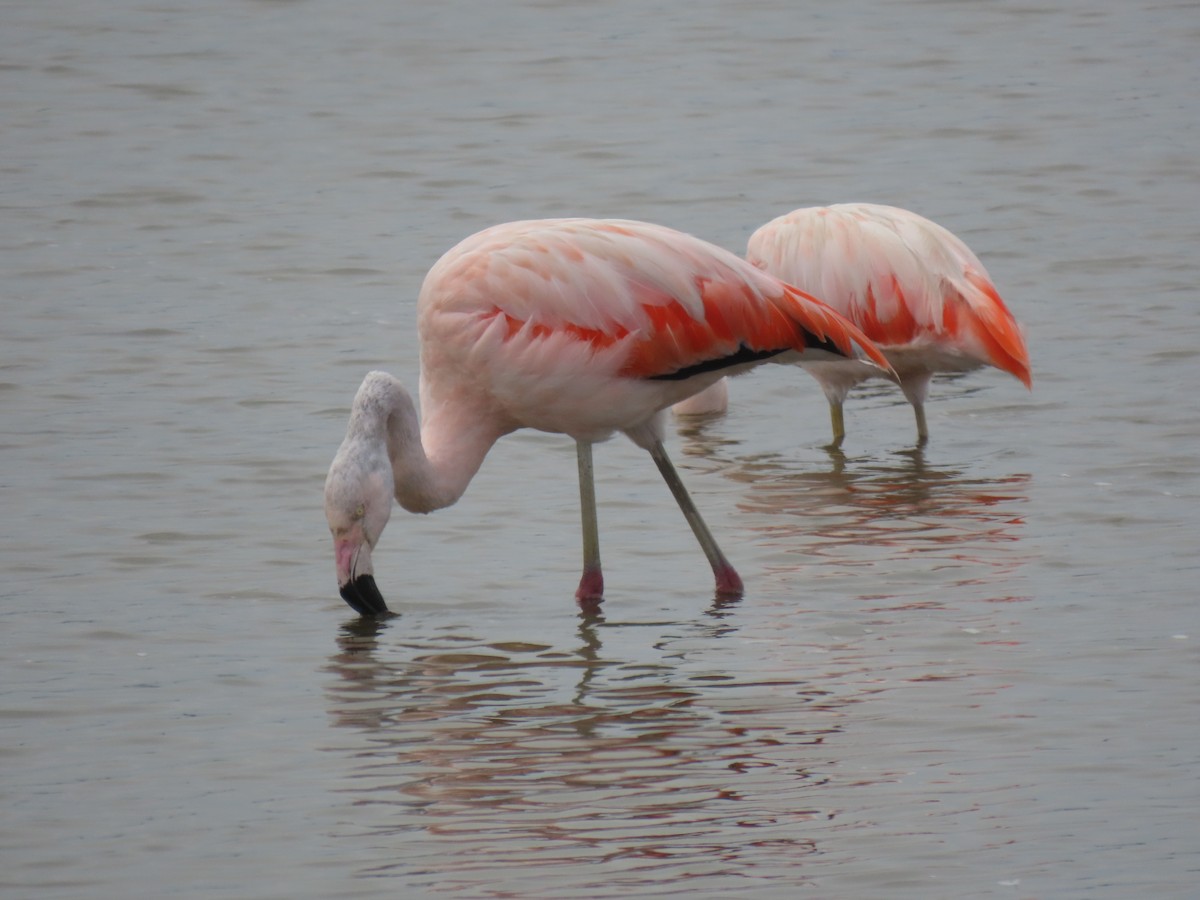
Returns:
(364, 597)
(356, 580)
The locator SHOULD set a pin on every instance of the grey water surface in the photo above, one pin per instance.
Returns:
(966, 670)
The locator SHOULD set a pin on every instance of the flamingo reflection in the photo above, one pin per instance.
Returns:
(900, 512)
(496, 755)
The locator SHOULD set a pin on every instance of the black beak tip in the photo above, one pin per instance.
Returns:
(362, 595)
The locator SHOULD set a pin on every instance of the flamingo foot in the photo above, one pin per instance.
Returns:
(591, 586)
(729, 583)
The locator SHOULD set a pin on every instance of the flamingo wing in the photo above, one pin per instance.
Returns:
(639, 300)
(906, 281)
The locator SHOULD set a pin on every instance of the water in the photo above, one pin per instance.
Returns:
(964, 671)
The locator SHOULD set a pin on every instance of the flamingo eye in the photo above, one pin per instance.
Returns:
(359, 512)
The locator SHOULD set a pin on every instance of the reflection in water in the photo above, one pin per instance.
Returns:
(485, 758)
(899, 512)
(582, 766)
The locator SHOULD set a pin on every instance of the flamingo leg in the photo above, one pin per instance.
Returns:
(922, 428)
(591, 583)
(838, 421)
(728, 582)
(916, 389)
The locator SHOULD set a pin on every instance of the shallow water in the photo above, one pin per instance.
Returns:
(967, 670)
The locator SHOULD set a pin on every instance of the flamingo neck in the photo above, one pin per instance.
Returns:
(431, 465)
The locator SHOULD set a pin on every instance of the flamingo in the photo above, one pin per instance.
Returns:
(575, 326)
(911, 285)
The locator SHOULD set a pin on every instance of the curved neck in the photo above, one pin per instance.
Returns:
(431, 464)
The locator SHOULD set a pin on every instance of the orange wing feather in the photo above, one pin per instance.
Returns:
(672, 301)
(903, 279)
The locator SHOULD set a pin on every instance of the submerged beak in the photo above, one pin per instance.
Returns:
(364, 597)
(356, 579)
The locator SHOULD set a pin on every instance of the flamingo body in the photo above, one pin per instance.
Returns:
(588, 327)
(575, 326)
(911, 285)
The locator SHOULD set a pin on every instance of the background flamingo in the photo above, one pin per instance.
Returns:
(908, 283)
(577, 326)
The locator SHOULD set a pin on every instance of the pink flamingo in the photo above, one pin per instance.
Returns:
(908, 283)
(574, 326)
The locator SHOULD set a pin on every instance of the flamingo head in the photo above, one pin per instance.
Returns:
(358, 503)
